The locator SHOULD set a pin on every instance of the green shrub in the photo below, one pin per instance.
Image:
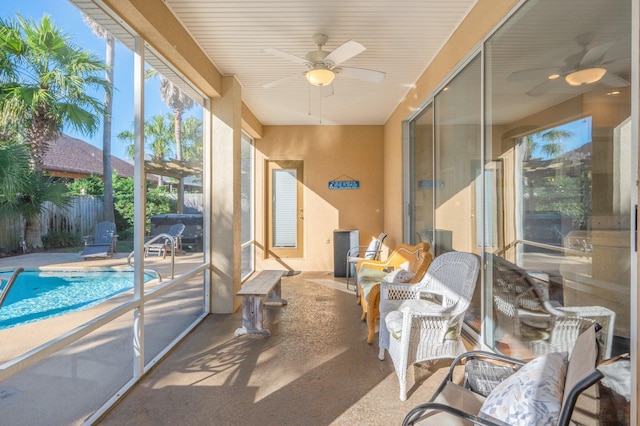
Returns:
(158, 202)
(92, 185)
(55, 240)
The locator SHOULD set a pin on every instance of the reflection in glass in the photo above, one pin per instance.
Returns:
(458, 170)
(563, 256)
(421, 172)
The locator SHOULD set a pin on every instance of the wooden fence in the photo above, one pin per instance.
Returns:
(78, 218)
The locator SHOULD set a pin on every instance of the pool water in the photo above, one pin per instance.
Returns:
(37, 295)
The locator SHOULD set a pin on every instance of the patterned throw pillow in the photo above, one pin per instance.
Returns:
(532, 395)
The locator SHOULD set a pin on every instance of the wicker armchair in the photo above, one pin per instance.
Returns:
(526, 317)
(415, 259)
(424, 321)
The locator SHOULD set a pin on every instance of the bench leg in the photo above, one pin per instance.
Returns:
(252, 315)
(274, 296)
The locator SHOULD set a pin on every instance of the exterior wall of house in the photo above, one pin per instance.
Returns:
(328, 153)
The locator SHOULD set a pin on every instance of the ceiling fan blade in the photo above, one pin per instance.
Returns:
(595, 54)
(345, 51)
(326, 91)
(362, 74)
(285, 55)
(532, 74)
(282, 80)
(613, 80)
(547, 86)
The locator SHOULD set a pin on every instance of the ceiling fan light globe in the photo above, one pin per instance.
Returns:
(585, 76)
(320, 76)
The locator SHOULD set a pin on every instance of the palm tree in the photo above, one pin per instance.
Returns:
(192, 139)
(175, 99)
(102, 33)
(158, 133)
(39, 189)
(45, 85)
(14, 168)
(553, 142)
(24, 191)
(179, 102)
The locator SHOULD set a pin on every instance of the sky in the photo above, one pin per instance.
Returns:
(66, 16)
(580, 134)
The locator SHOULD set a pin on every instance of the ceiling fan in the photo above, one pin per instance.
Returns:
(323, 66)
(581, 68)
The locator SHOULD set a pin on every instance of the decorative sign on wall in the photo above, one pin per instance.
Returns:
(429, 184)
(344, 182)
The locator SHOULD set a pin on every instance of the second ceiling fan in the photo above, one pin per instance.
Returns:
(323, 66)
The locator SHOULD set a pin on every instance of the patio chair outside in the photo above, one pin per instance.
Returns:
(423, 322)
(550, 399)
(102, 243)
(161, 247)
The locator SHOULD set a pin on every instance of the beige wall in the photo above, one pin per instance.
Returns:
(329, 153)
(483, 18)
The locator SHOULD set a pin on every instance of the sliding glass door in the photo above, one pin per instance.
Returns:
(525, 156)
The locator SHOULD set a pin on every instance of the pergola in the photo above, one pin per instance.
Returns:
(177, 169)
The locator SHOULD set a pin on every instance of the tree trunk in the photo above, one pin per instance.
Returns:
(177, 114)
(32, 236)
(106, 136)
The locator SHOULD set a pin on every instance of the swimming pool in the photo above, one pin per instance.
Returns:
(37, 295)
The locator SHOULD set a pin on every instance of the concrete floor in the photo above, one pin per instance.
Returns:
(316, 369)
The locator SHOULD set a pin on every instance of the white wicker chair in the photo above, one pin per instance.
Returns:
(423, 321)
(525, 313)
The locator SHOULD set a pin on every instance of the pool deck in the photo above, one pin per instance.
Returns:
(73, 260)
(243, 380)
(32, 335)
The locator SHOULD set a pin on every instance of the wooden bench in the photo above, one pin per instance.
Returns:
(263, 288)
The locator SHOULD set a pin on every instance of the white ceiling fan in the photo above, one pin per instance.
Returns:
(581, 68)
(323, 66)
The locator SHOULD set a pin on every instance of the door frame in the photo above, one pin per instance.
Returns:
(284, 252)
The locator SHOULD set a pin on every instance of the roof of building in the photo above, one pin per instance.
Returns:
(68, 154)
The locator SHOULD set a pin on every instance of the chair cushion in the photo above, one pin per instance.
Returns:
(399, 276)
(368, 278)
(532, 395)
(393, 319)
(371, 274)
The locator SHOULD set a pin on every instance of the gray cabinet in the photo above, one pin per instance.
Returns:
(343, 240)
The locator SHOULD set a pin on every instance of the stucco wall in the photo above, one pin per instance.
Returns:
(329, 153)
